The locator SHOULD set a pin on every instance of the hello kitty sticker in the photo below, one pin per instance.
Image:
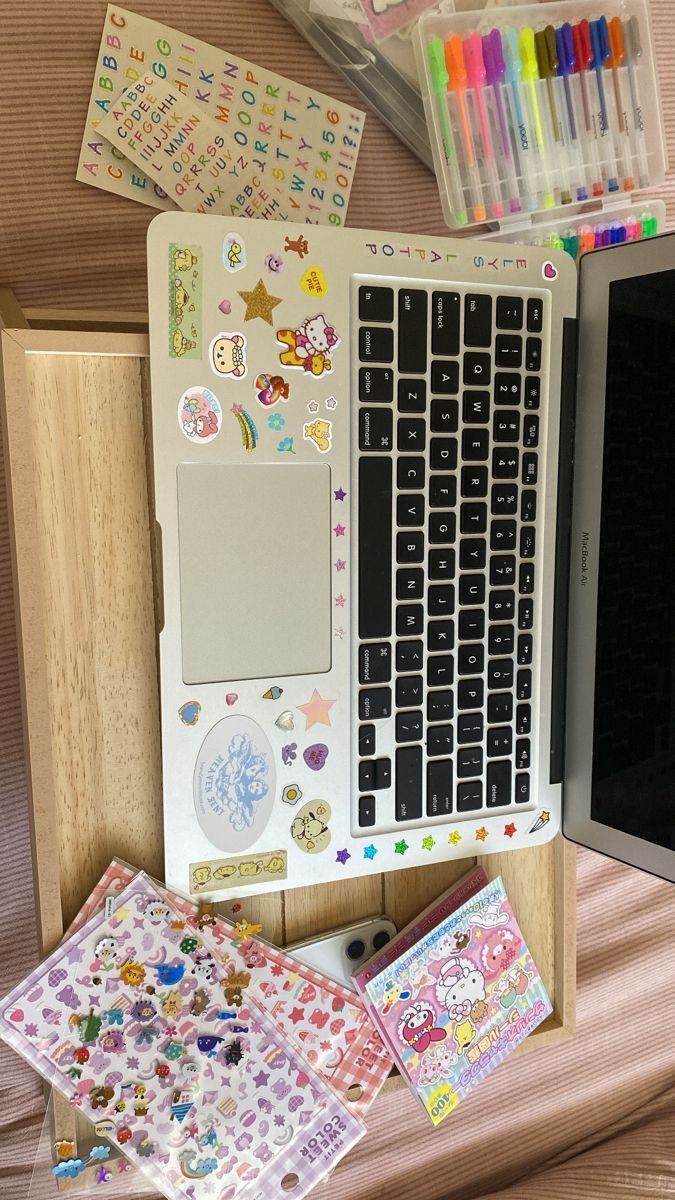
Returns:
(199, 415)
(310, 347)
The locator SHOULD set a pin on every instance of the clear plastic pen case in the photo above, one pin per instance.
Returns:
(540, 109)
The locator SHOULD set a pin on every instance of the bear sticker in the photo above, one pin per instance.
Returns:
(310, 347)
(227, 355)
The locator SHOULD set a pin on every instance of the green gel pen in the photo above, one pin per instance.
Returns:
(439, 83)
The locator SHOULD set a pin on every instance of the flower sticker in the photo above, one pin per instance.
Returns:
(276, 421)
(286, 446)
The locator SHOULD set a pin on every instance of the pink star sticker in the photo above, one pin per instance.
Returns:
(316, 710)
(236, 409)
(340, 600)
(339, 530)
(340, 565)
(340, 632)
(313, 406)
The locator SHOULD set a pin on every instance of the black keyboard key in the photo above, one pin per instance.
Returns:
(524, 685)
(528, 506)
(410, 473)
(375, 538)
(509, 312)
(439, 787)
(499, 741)
(498, 784)
(439, 740)
(506, 426)
(531, 432)
(474, 481)
(374, 703)
(444, 416)
(441, 528)
(440, 670)
(412, 395)
(441, 600)
(409, 620)
(502, 535)
(471, 624)
(522, 754)
(374, 662)
(505, 463)
(409, 549)
(525, 613)
(504, 499)
(376, 385)
(469, 796)
(526, 578)
(440, 636)
(507, 388)
(376, 344)
(412, 331)
(535, 315)
(409, 691)
(444, 378)
(475, 445)
(469, 762)
(366, 776)
(376, 303)
(530, 469)
(502, 569)
(473, 518)
(409, 783)
(500, 673)
(366, 740)
(410, 435)
(469, 728)
(524, 649)
(523, 719)
(501, 639)
(471, 659)
(477, 320)
(476, 408)
(382, 774)
(472, 554)
(442, 491)
(522, 789)
(527, 541)
(376, 429)
(443, 453)
(441, 564)
(533, 354)
(409, 656)
(409, 510)
(532, 391)
(501, 605)
(472, 589)
(470, 693)
(508, 350)
(409, 583)
(366, 811)
(409, 726)
(445, 323)
(500, 707)
(439, 706)
(477, 369)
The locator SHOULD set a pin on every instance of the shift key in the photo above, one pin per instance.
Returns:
(445, 323)
(412, 331)
(409, 783)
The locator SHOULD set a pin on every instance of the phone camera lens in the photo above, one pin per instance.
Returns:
(356, 949)
(381, 938)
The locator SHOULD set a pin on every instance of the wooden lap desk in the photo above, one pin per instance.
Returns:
(75, 410)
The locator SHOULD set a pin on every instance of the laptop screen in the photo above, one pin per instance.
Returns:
(633, 778)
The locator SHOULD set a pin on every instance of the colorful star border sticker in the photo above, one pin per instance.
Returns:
(369, 851)
(481, 834)
(401, 847)
(428, 842)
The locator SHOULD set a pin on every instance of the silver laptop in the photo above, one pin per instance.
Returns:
(363, 471)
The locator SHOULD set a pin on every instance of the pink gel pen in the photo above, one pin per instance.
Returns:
(495, 70)
(475, 69)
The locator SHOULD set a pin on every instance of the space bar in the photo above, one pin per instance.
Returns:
(375, 534)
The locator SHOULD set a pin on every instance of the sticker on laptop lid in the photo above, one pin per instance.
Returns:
(221, 874)
(185, 301)
(234, 784)
(200, 415)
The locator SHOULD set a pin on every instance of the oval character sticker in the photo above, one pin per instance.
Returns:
(234, 783)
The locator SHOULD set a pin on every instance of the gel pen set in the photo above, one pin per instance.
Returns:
(540, 108)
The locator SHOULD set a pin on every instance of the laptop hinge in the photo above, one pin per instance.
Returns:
(568, 395)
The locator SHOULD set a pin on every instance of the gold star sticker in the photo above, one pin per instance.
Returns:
(481, 834)
(259, 303)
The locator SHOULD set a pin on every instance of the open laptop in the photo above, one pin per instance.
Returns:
(363, 470)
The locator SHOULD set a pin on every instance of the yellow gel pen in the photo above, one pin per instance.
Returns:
(530, 75)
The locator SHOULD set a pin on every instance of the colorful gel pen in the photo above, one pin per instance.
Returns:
(439, 81)
(530, 75)
(547, 63)
(632, 55)
(476, 75)
(583, 57)
(495, 71)
(565, 49)
(614, 64)
(522, 138)
(454, 62)
(600, 48)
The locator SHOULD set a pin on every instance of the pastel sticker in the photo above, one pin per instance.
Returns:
(315, 756)
(310, 346)
(199, 414)
(314, 283)
(291, 794)
(219, 874)
(285, 720)
(234, 783)
(185, 302)
(270, 389)
(273, 692)
(297, 246)
(319, 432)
(225, 307)
(234, 252)
(189, 712)
(274, 263)
(310, 830)
(227, 354)
(247, 427)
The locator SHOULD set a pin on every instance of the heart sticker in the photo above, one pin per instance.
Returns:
(315, 756)
(549, 271)
(285, 720)
(225, 307)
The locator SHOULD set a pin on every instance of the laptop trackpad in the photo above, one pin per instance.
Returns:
(254, 546)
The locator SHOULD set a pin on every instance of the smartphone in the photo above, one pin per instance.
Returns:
(341, 952)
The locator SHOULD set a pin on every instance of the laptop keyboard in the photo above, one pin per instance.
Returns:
(447, 426)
